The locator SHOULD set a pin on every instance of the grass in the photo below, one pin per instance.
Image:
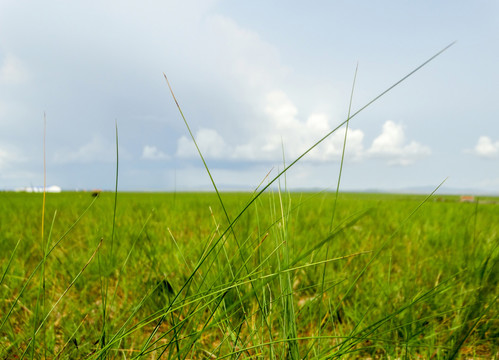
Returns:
(271, 275)
(432, 285)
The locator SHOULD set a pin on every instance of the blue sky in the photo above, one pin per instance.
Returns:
(254, 79)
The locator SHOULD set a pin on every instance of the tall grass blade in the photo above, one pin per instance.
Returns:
(111, 256)
(115, 188)
(62, 295)
(488, 286)
(30, 277)
(319, 312)
(10, 261)
(41, 290)
(230, 223)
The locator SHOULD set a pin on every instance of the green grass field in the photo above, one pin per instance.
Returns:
(391, 276)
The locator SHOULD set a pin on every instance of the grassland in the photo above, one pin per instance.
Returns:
(391, 276)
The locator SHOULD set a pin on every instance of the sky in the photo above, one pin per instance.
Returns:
(259, 83)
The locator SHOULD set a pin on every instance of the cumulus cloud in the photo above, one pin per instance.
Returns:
(210, 142)
(332, 147)
(285, 129)
(392, 146)
(12, 71)
(153, 153)
(486, 148)
(97, 150)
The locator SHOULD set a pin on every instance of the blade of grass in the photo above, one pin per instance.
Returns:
(350, 341)
(62, 295)
(319, 312)
(41, 287)
(376, 254)
(115, 187)
(4, 320)
(72, 337)
(289, 321)
(230, 226)
(203, 299)
(10, 261)
(343, 150)
(111, 259)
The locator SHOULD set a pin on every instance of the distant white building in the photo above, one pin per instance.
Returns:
(39, 189)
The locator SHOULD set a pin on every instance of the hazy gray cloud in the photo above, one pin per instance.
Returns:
(98, 149)
(12, 71)
(14, 166)
(5, 159)
(10, 156)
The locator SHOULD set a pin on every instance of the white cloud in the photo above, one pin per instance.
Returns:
(332, 147)
(391, 145)
(211, 144)
(284, 128)
(486, 148)
(153, 153)
(12, 71)
(97, 150)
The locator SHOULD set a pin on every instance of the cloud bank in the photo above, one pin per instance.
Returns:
(285, 132)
